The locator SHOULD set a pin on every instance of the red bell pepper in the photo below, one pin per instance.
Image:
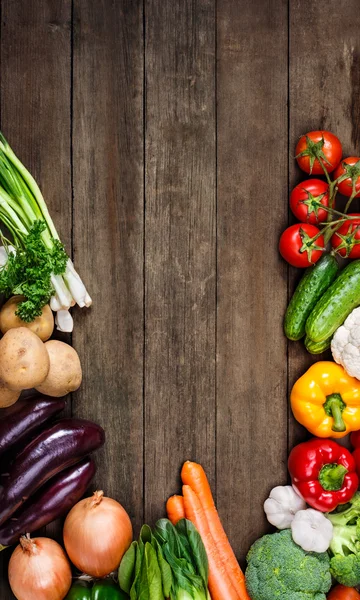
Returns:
(355, 442)
(323, 473)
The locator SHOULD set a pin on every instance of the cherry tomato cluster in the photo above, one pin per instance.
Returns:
(313, 202)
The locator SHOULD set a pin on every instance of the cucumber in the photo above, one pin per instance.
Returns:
(311, 287)
(317, 347)
(336, 304)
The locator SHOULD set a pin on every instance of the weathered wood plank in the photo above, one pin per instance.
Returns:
(252, 211)
(180, 244)
(324, 94)
(108, 236)
(35, 109)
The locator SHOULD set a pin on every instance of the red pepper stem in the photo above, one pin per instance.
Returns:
(331, 476)
(334, 407)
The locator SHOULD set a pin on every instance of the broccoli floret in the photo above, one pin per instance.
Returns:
(278, 569)
(345, 545)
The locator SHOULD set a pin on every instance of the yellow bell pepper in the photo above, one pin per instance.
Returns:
(326, 400)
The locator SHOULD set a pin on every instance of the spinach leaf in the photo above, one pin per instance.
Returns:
(138, 563)
(152, 578)
(165, 569)
(198, 551)
(127, 568)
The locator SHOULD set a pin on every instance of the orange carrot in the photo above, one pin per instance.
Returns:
(220, 586)
(175, 509)
(194, 475)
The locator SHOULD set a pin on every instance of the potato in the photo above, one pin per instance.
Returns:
(24, 361)
(43, 326)
(7, 397)
(65, 373)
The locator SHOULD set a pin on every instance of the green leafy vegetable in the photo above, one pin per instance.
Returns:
(170, 562)
(184, 550)
(127, 567)
(345, 545)
(165, 569)
(28, 272)
(36, 263)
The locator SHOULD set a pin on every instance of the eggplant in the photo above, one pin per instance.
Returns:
(52, 500)
(52, 451)
(25, 418)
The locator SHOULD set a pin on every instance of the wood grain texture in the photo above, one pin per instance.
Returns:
(324, 93)
(172, 125)
(180, 260)
(108, 236)
(252, 211)
(35, 110)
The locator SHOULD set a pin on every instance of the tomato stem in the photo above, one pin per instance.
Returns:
(325, 171)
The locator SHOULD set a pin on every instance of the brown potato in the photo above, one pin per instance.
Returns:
(43, 326)
(65, 373)
(24, 361)
(7, 397)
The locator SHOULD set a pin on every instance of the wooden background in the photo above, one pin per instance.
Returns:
(162, 134)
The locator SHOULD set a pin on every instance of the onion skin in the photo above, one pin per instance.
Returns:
(39, 570)
(97, 533)
(52, 501)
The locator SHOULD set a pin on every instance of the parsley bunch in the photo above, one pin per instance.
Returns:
(28, 272)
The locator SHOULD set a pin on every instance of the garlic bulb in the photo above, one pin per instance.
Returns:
(282, 505)
(312, 530)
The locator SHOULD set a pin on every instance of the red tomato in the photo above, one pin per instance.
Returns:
(345, 187)
(303, 200)
(340, 592)
(315, 145)
(298, 247)
(346, 240)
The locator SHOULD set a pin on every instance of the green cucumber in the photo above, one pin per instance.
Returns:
(313, 284)
(317, 347)
(336, 304)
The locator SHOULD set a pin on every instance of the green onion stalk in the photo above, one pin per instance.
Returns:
(34, 263)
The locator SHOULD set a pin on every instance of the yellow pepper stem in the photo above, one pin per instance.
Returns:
(334, 407)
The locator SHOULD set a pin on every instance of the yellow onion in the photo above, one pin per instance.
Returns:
(39, 570)
(97, 533)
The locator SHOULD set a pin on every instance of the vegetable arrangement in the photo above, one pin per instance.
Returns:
(46, 467)
(50, 472)
(226, 580)
(325, 295)
(318, 516)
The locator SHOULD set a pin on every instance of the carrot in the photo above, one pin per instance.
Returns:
(175, 509)
(194, 475)
(220, 586)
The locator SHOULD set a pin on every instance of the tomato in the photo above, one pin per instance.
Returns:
(346, 240)
(345, 187)
(340, 592)
(298, 247)
(315, 145)
(303, 201)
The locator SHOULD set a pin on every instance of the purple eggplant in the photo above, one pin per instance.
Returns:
(25, 418)
(53, 500)
(52, 451)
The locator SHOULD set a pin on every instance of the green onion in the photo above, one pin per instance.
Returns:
(37, 265)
